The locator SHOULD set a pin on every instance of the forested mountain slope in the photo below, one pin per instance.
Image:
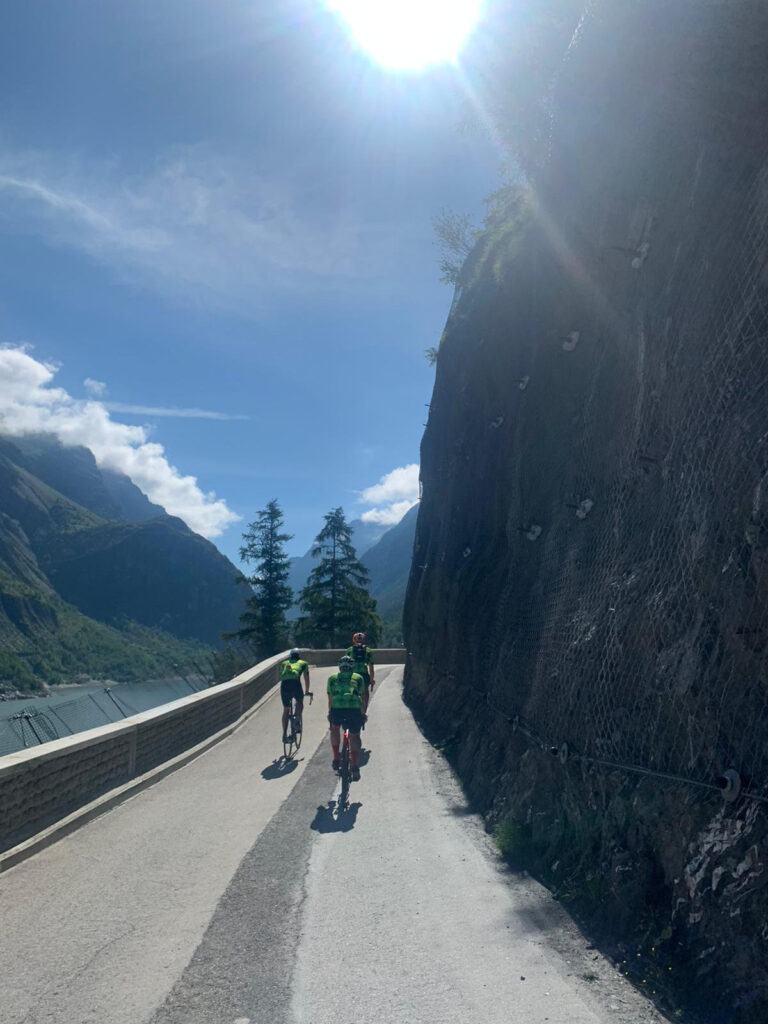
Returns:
(591, 558)
(83, 593)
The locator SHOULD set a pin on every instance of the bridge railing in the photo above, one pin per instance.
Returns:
(43, 785)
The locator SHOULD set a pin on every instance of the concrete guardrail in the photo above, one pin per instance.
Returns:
(45, 784)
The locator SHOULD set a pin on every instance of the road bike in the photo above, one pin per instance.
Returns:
(292, 735)
(345, 774)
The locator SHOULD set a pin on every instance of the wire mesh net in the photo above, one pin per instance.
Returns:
(643, 640)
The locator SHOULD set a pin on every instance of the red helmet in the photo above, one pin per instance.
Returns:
(358, 638)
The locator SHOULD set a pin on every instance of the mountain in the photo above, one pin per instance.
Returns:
(93, 577)
(73, 472)
(389, 563)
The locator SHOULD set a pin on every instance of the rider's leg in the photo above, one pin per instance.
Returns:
(299, 711)
(285, 697)
(354, 754)
(355, 745)
(335, 741)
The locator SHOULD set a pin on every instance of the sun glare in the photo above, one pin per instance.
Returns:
(409, 35)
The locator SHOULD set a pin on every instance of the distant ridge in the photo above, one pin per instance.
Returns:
(389, 563)
(94, 578)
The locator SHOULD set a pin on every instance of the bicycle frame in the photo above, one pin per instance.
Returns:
(293, 734)
(345, 773)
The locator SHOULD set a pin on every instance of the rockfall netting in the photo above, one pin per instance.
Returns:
(598, 438)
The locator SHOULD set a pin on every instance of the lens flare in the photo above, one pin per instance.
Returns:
(409, 35)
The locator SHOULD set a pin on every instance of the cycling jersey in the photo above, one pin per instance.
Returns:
(292, 669)
(362, 657)
(346, 690)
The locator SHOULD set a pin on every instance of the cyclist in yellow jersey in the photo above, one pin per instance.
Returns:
(346, 692)
(362, 656)
(291, 672)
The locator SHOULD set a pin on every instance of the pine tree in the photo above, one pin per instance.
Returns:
(264, 625)
(335, 601)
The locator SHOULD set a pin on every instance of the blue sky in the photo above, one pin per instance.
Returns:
(225, 208)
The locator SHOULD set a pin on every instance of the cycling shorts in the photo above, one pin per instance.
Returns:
(348, 718)
(290, 688)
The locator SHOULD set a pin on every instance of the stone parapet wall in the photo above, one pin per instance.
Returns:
(33, 795)
(41, 786)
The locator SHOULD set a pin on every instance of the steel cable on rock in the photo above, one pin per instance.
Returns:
(557, 748)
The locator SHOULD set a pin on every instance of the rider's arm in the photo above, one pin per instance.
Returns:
(306, 679)
(370, 669)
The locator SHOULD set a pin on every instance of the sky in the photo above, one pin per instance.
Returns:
(218, 267)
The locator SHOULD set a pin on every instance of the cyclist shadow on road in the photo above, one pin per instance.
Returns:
(365, 757)
(279, 768)
(325, 819)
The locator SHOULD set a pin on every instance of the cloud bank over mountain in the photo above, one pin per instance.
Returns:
(31, 404)
(394, 494)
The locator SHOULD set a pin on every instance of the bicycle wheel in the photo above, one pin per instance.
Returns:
(288, 747)
(345, 773)
(289, 743)
(296, 731)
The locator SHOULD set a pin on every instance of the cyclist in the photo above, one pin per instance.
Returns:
(291, 672)
(362, 656)
(346, 692)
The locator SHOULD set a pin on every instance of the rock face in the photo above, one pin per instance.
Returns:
(591, 559)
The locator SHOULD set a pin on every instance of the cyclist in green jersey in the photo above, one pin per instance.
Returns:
(291, 672)
(346, 691)
(362, 656)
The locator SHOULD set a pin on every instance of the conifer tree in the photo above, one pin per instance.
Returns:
(263, 624)
(335, 601)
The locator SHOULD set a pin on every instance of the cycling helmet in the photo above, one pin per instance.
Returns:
(346, 664)
(295, 653)
(358, 638)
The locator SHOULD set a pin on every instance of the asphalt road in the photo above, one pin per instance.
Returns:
(230, 893)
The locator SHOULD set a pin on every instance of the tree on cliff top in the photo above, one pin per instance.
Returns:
(335, 601)
(455, 237)
(264, 625)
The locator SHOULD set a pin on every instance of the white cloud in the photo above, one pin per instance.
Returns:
(394, 494)
(402, 482)
(184, 414)
(388, 516)
(30, 404)
(198, 226)
(97, 388)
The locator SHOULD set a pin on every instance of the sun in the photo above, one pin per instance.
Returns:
(409, 35)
